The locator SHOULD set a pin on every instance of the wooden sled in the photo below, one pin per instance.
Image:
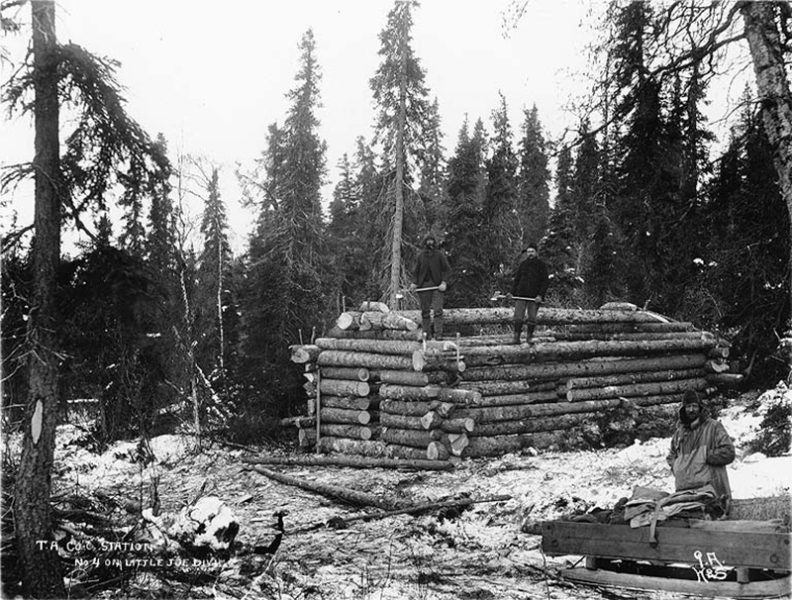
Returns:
(734, 559)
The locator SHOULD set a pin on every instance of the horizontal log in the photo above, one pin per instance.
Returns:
(458, 425)
(344, 387)
(590, 367)
(445, 394)
(351, 402)
(531, 425)
(716, 365)
(415, 408)
(358, 462)
(353, 373)
(493, 414)
(555, 351)
(299, 421)
(333, 491)
(512, 399)
(411, 377)
(342, 415)
(410, 453)
(503, 444)
(410, 437)
(341, 430)
(348, 320)
(403, 421)
(437, 451)
(633, 336)
(546, 315)
(422, 361)
(725, 379)
(372, 306)
(304, 353)
(500, 388)
(628, 378)
(637, 389)
(369, 360)
(398, 347)
(371, 448)
(639, 327)
(374, 334)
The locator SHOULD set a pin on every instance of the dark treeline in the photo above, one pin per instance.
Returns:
(638, 207)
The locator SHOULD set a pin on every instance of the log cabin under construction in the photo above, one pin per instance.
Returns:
(377, 388)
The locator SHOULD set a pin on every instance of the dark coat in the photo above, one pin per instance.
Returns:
(431, 268)
(699, 454)
(531, 279)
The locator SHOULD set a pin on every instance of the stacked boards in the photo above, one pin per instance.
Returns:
(384, 391)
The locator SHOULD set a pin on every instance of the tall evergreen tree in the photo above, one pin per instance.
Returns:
(433, 173)
(466, 173)
(557, 247)
(501, 233)
(402, 105)
(533, 202)
(284, 295)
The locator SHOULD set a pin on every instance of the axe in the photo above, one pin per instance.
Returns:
(498, 296)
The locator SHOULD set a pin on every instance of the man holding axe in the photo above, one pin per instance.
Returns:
(528, 290)
(431, 272)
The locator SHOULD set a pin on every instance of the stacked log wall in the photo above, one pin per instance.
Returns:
(384, 391)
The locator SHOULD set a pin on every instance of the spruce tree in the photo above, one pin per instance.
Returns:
(402, 105)
(533, 202)
(433, 173)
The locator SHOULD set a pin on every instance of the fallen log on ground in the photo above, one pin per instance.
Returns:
(332, 491)
(359, 462)
(590, 367)
(340, 522)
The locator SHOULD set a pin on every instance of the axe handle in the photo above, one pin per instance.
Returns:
(427, 289)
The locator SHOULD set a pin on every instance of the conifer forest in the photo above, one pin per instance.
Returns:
(160, 326)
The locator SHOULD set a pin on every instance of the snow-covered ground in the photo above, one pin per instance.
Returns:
(482, 553)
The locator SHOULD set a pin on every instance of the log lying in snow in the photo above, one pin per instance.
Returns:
(415, 408)
(344, 387)
(332, 491)
(546, 315)
(302, 354)
(637, 389)
(412, 378)
(628, 378)
(369, 360)
(355, 374)
(529, 353)
(359, 462)
(341, 415)
(589, 367)
(351, 402)
(353, 432)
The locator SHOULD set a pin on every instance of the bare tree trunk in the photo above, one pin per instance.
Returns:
(767, 52)
(398, 217)
(42, 576)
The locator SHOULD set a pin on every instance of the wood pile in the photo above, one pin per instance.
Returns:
(380, 390)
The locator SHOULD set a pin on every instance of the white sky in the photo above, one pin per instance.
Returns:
(212, 76)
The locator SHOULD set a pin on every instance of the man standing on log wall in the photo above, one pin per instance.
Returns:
(431, 272)
(528, 290)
